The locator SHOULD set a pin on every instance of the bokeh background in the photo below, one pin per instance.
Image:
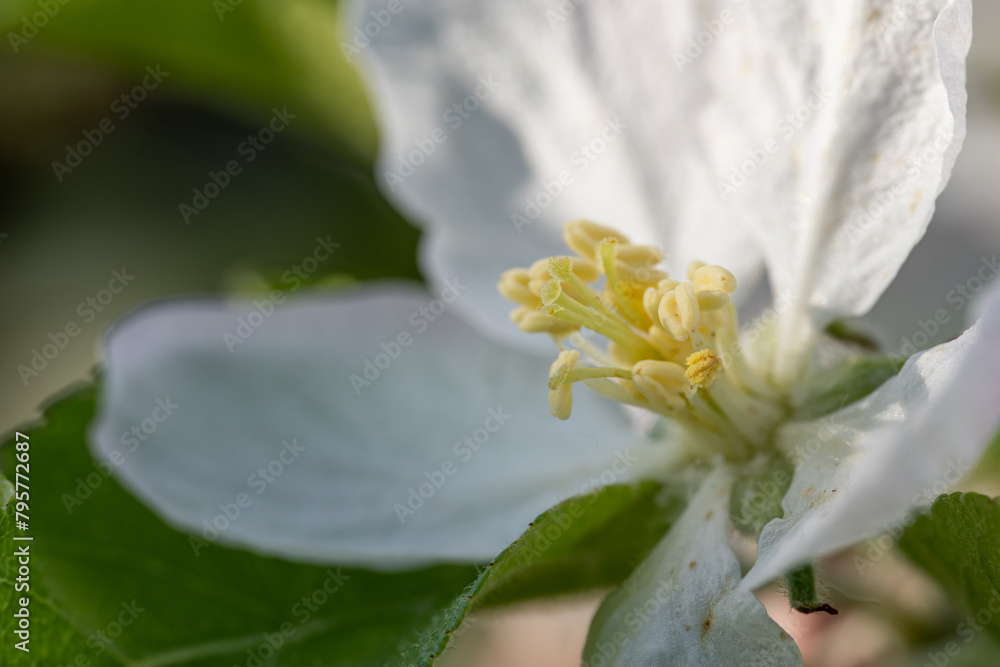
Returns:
(227, 66)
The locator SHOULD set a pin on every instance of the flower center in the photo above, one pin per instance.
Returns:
(672, 346)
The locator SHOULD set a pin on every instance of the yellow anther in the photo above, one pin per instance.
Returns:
(539, 270)
(513, 285)
(561, 391)
(651, 302)
(586, 270)
(711, 299)
(583, 235)
(687, 307)
(669, 316)
(639, 255)
(692, 267)
(661, 383)
(530, 320)
(715, 278)
(667, 285)
(538, 273)
(679, 313)
(702, 367)
(638, 276)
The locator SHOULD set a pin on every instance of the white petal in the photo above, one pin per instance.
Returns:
(604, 78)
(683, 604)
(430, 418)
(860, 470)
(865, 105)
(961, 241)
(855, 109)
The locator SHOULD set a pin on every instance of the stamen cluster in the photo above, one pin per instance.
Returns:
(667, 340)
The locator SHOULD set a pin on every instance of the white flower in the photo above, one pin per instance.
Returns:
(810, 138)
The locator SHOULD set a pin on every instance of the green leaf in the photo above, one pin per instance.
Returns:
(52, 639)
(847, 382)
(588, 541)
(107, 557)
(103, 554)
(245, 57)
(957, 542)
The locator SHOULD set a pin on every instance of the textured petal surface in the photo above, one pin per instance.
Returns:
(870, 109)
(957, 256)
(828, 129)
(547, 112)
(861, 469)
(684, 605)
(410, 439)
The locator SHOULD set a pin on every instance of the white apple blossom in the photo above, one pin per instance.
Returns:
(807, 138)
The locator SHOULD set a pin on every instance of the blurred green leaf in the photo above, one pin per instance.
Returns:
(847, 382)
(590, 541)
(52, 640)
(957, 542)
(244, 55)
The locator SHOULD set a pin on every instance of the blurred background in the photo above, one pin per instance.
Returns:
(115, 115)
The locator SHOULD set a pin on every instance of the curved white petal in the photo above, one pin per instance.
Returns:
(550, 112)
(683, 605)
(861, 469)
(955, 258)
(446, 454)
(879, 93)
